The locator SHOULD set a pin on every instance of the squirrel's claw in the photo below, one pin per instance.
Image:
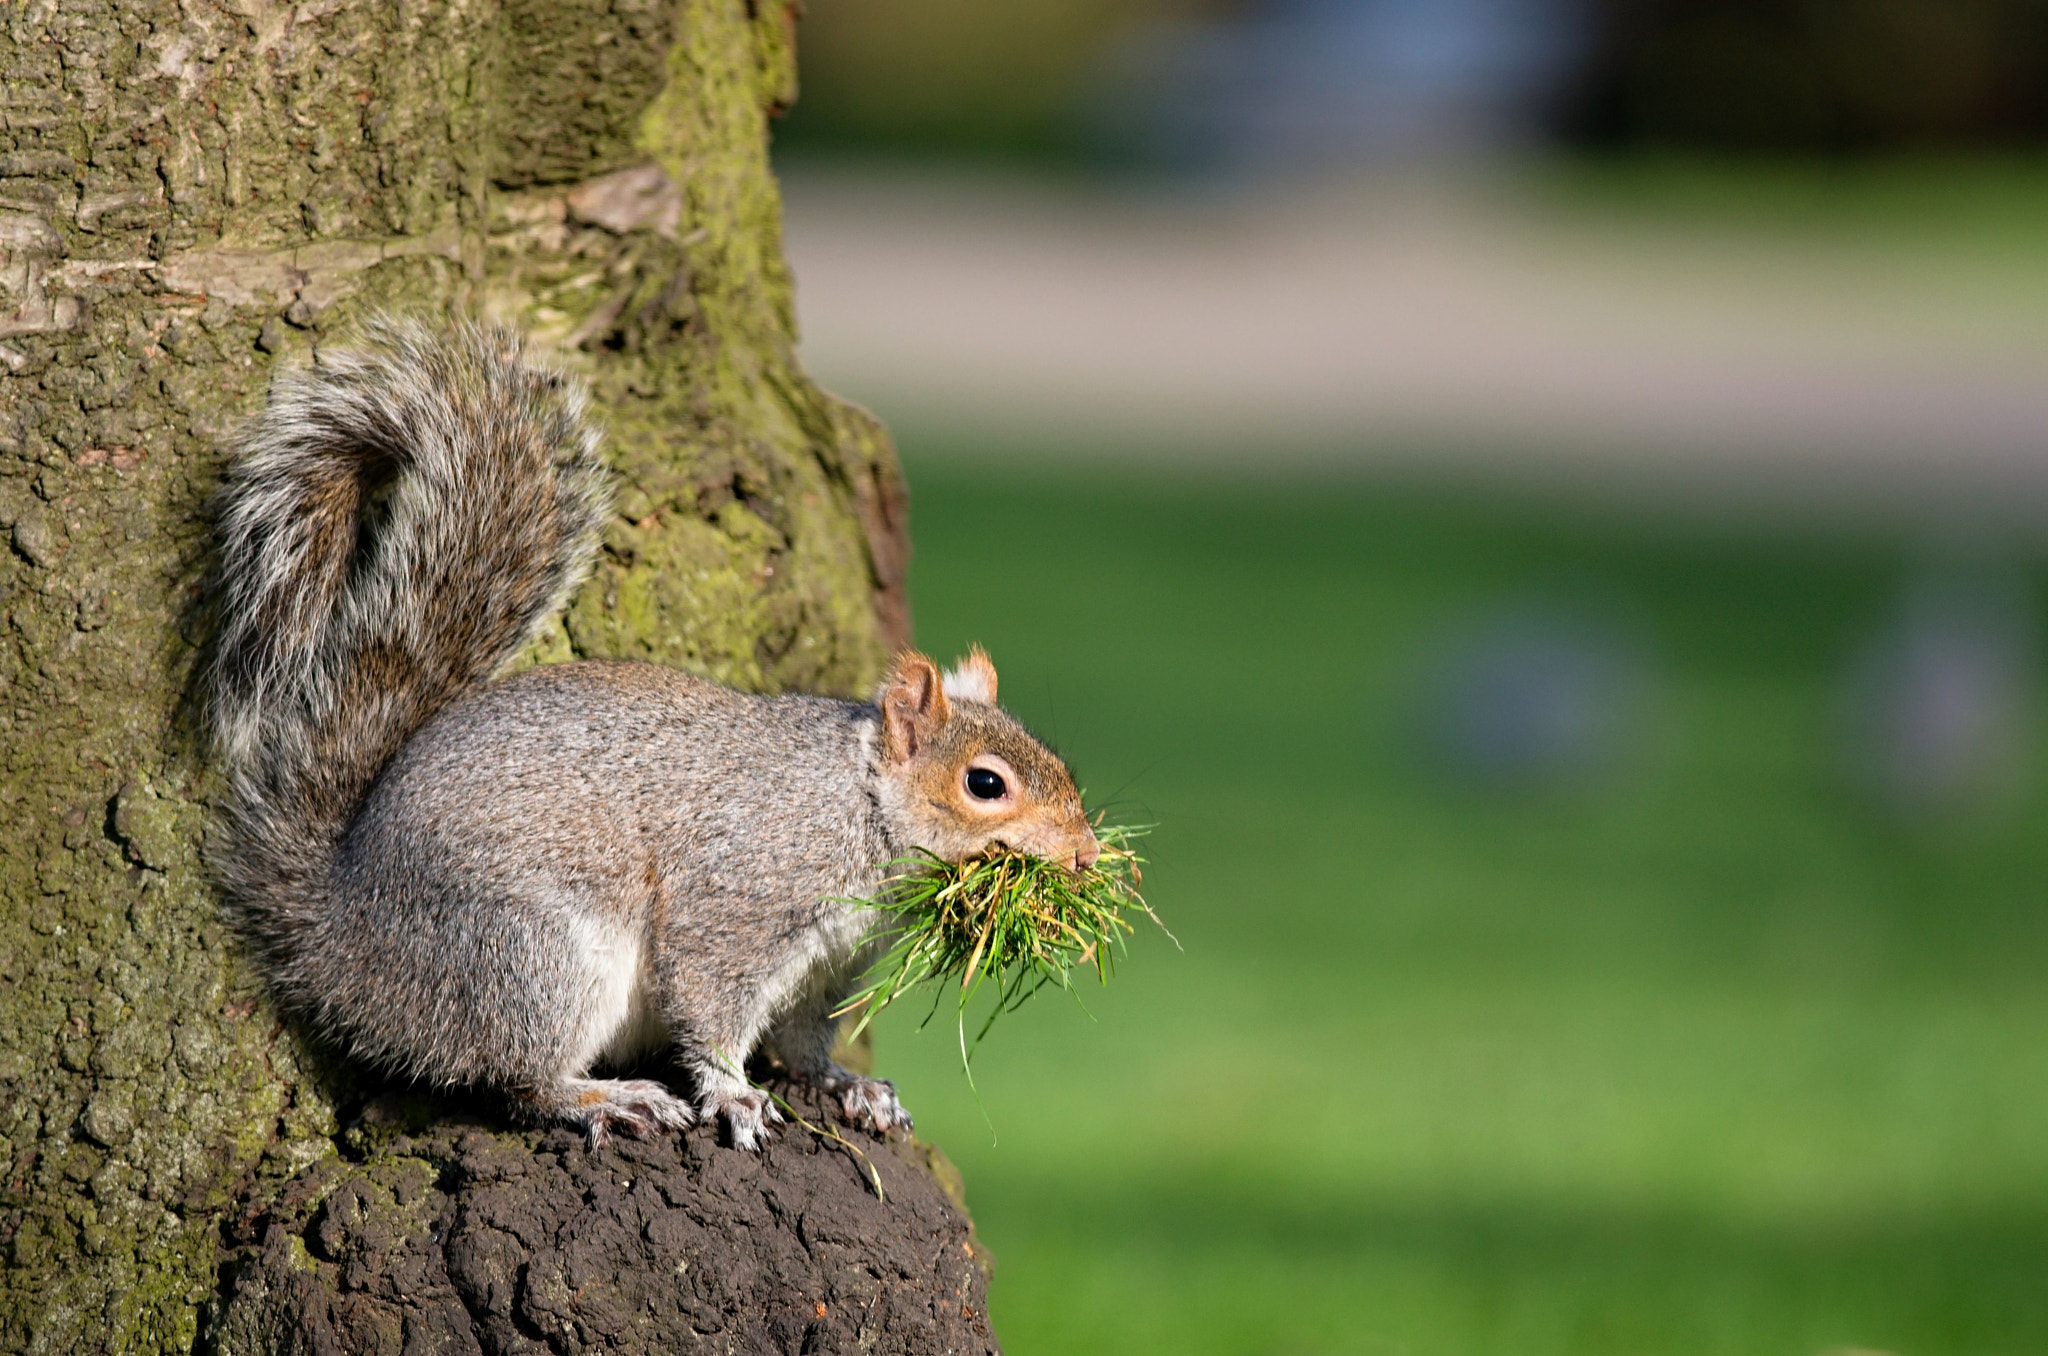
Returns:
(747, 1116)
(871, 1103)
(637, 1106)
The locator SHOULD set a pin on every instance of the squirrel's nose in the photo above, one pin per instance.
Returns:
(1087, 854)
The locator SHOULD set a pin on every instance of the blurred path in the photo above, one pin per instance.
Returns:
(1403, 326)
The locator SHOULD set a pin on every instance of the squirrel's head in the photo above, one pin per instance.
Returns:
(960, 776)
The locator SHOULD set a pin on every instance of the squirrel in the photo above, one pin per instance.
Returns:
(512, 882)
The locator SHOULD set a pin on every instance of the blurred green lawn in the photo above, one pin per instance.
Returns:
(1708, 1059)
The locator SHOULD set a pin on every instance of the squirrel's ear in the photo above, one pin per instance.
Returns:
(913, 705)
(973, 679)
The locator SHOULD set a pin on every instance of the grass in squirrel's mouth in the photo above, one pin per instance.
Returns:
(1019, 923)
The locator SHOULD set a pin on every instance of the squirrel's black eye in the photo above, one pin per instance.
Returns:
(985, 785)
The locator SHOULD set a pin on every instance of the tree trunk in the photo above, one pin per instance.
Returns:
(192, 192)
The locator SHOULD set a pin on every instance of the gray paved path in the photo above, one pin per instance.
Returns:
(1401, 324)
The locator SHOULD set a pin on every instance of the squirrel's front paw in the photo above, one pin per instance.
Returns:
(871, 1103)
(747, 1115)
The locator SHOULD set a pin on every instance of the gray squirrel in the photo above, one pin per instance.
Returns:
(511, 883)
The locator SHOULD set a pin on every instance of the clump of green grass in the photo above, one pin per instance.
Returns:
(1014, 922)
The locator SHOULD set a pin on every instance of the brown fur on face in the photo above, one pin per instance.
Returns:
(931, 742)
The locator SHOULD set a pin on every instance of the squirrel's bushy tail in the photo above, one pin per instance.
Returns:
(394, 527)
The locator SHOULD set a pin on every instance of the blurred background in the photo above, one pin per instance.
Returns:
(1544, 503)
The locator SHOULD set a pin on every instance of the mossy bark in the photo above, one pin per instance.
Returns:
(191, 193)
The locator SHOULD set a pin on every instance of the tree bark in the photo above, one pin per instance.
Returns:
(191, 193)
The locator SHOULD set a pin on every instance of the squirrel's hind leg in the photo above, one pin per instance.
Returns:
(603, 1106)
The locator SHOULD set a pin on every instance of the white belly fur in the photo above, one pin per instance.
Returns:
(620, 1021)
